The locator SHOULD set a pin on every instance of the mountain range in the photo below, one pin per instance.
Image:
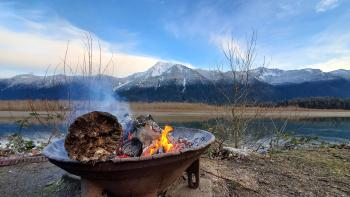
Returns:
(175, 82)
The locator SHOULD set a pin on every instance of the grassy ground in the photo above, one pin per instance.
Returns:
(303, 172)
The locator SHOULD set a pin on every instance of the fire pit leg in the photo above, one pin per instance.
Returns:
(193, 170)
(90, 189)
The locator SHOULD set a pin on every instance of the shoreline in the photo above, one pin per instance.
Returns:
(197, 114)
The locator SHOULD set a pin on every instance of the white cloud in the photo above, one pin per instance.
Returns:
(27, 45)
(324, 5)
(332, 64)
(327, 49)
(226, 43)
(24, 50)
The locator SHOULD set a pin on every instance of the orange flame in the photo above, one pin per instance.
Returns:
(163, 142)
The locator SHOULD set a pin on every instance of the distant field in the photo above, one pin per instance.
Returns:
(55, 105)
(182, 112)
(29, 105)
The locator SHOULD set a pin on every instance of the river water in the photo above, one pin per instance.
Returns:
(324, 128)
(329, 129)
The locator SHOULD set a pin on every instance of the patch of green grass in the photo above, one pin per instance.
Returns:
(18, 144)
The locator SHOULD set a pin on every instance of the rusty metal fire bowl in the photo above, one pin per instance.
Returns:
(138, 176)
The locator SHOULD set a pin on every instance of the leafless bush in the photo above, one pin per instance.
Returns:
(240, 63)
(54, 114)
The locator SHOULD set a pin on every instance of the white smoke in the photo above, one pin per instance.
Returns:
(94, 81)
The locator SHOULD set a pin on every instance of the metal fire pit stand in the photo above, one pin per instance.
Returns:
(136, 176)
(91, 189)
(191, 171)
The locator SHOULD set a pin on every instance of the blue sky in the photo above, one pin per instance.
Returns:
(135, 34)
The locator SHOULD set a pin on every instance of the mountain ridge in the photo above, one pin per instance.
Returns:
(272, 76)
(176, 82)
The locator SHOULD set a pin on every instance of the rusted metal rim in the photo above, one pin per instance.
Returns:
(56, 151)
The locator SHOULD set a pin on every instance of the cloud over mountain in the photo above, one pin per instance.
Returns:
(33, 43)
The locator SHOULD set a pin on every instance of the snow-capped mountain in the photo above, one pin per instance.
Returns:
(341, 73)
(277, 76)
(34, 81)
(165, 72)
(55, 86)
(175, 82)
(162, 74)
(213, 75)
(158, 69)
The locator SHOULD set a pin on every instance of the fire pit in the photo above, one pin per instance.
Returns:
(138, 176)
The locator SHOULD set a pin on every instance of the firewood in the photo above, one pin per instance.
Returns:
(94, 136)
(146, 130)
(132, 148)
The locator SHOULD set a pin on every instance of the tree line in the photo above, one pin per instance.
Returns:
(317, 103)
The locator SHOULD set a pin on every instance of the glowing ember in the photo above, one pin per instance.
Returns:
(123, 156)
(163, 144)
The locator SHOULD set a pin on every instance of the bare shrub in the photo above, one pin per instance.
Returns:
(240, 70)
(56, 115)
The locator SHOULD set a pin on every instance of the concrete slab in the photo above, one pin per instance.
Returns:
(204, 190)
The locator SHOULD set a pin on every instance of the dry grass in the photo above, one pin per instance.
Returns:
(299, 172)
(55, 105)
(167, 111)
(28, 105)
(173, 106)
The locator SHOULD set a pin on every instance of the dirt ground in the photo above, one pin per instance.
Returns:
(319, 172)
(314, 172)
(36, 179)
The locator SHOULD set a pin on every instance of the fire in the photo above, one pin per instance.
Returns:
(162, 143)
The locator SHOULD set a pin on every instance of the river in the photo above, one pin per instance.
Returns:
(324, 128)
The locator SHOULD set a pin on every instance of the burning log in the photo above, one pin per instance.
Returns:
(93, 136)
(139, 133)
(132, 148)
(146, 138)
(98, 136)
(146, 130)
(160, 145)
